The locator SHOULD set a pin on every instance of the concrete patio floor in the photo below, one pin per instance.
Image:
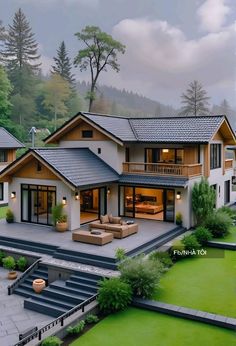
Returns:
(148, 230)
(14, 319)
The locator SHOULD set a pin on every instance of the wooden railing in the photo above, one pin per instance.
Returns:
(163, 169)
(229, 164)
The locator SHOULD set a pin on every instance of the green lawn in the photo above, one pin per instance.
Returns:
(207, 284)
(230, 238)
(136, 327)
(3, 212)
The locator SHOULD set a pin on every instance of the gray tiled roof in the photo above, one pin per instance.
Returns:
(79, 166)
(7, 140)
(117, 126)
(152, 180)
(162, 130)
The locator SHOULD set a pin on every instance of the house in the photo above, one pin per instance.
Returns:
(132, 167)
(8, 146)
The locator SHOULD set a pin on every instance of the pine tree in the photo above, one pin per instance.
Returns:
(63, 65)
(2, 39)
(21, 48)
(195, 100)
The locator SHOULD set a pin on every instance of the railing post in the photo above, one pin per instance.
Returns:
(40, 335)
(9, 290)
(62, 322)
(82, 308)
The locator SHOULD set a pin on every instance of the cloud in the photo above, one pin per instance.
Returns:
(212, 15)
(160, 60)
(88, 3)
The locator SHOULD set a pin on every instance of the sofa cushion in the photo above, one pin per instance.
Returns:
(116, 220)
(104, 219)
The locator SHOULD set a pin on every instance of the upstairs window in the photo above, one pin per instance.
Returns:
(3, 156)
(215, 156)
(87, 134)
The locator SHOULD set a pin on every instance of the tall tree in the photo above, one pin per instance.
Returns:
(195, 100)
(21, 47)
(57, 93)
(101, 105)
(2, 39)
(5, 90)
(63, 65)
(100, 52)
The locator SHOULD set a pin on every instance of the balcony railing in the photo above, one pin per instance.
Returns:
(163, 169)
(229, 164)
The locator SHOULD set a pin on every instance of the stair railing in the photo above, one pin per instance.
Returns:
(58, 321)
(21, 278)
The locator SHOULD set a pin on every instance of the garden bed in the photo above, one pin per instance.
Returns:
(140, 327)
(202, 283)
(230, 238)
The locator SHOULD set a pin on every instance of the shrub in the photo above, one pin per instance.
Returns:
(78, 328)
(114, 295)
(203, 235)
(92, 318)
(9, 216)
(120, 254)
(9, 263)
(190, 242)
(219, 224)
(57, 212)
(203, 200)
(178, 219)
(228, 211)
(2, 255)
(163, 257)
(142, 275)
(177, 246)
(22, 263)
(51, 341)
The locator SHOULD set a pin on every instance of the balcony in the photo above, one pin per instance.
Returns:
(179, 170)
(229, 164)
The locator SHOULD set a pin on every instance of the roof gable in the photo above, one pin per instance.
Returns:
(7, 140)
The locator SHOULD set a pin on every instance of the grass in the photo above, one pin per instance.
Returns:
(3, 212)
(206, 284)
(230, 238)
(136, 327)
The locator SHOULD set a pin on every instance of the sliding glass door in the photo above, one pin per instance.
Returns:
(37, 202)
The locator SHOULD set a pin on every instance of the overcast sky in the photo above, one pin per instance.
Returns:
(169, 42)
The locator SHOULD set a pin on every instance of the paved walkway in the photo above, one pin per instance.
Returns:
(13, 317)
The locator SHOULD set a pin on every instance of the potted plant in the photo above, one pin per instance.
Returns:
(9, 216)
(59, 219)
(10, 264)
(178, 219)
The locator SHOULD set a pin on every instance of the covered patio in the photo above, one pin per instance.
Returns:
(148, 231)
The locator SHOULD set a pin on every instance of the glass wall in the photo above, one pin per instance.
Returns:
(92, 204)
(37, 202)
(147, 203)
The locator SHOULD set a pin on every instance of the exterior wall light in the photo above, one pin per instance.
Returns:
(108, 191)
(64, 201)
(178, 195)
(165, 150)
(77, 196)
(13, 194)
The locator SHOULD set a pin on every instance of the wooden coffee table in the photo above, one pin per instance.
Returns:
(89, 238)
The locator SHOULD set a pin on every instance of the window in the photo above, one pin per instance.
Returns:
(87, 134)
(215, 156)
(3, 156)
(39, 167)
(127, 157)
(1, 191)
(99, 150)
(227, 192)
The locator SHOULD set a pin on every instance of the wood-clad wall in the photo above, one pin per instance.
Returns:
(75, 134)
(29, 170)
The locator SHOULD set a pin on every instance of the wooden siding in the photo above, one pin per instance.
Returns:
(190, 155)
(29, 170)
(206, 171)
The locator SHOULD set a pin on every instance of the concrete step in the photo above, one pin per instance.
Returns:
(85, 280)
(71, 291)
(44, 308)
(80, 286)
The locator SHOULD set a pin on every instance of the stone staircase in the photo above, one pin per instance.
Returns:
(60, 296)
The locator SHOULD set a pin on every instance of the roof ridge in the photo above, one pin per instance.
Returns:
(133, 129)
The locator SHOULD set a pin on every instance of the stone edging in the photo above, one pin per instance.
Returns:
(180, 311)
(222, 245)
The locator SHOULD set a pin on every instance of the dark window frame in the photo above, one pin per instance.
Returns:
(3, 155)
(215, 155)
(1, 191)
(87, 133)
